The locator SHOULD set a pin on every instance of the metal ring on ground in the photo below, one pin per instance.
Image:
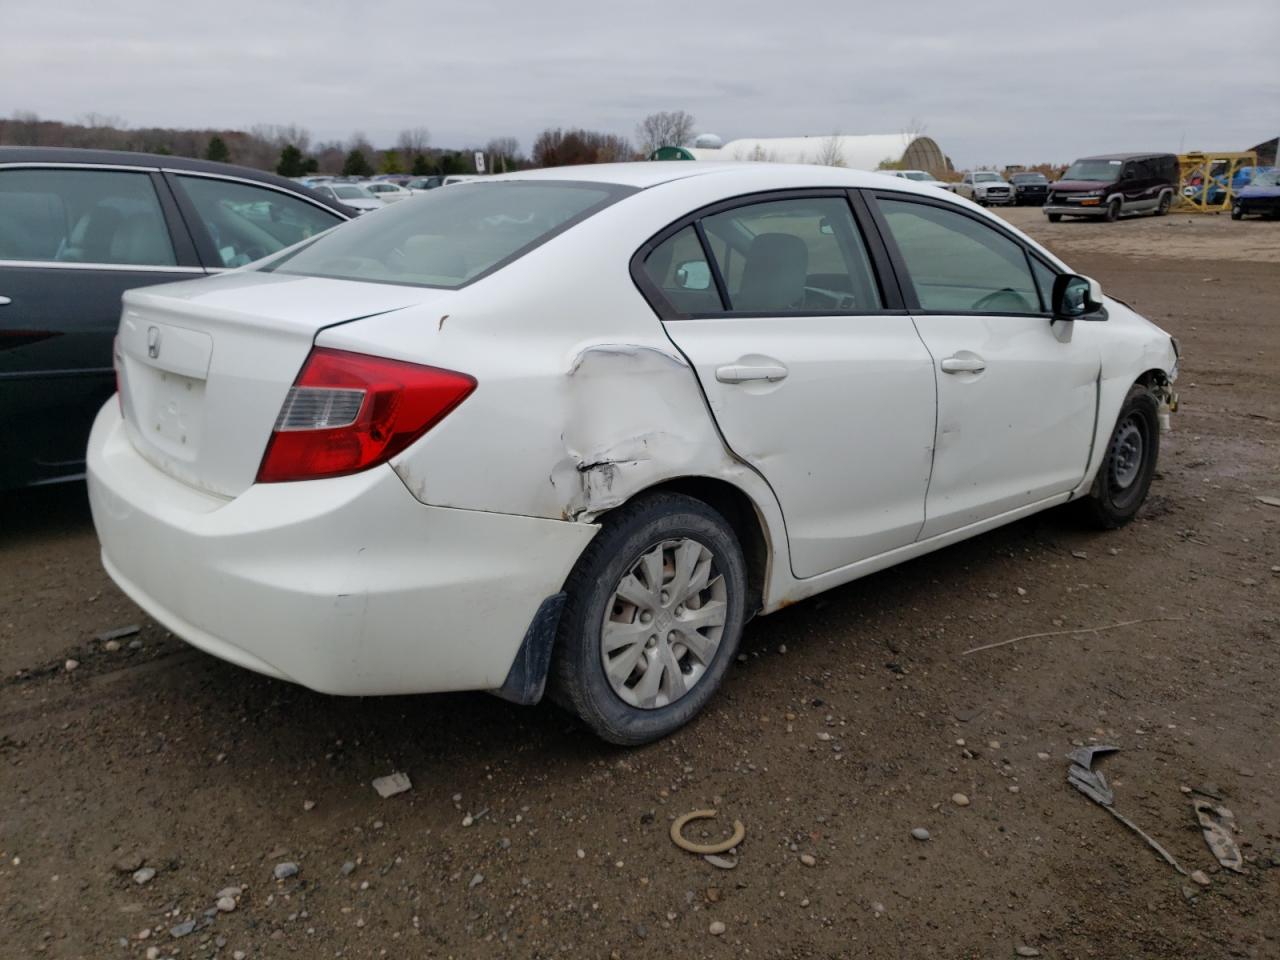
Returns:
(724, 846)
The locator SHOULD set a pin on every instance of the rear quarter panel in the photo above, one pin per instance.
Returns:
(582, 401)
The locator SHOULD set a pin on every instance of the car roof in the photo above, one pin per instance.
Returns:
(1128, 156)
(126, 158)
(651, 173)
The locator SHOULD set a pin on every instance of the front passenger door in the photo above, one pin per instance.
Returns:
(1017, 394)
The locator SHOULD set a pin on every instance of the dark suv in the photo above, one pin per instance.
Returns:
(1113, 186)
(80, 227)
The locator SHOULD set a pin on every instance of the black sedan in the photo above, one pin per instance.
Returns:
(77, 229)
(1029, 189)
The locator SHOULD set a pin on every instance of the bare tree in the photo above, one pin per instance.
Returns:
(503, 154)
(413, 142)
(831, 152)
(667, 128)
(758, 154)
(557, 148)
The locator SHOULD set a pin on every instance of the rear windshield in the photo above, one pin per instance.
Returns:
(448, 238)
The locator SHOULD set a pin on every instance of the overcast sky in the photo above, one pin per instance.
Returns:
(1023, 83)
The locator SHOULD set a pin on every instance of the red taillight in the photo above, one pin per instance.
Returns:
(348, 411)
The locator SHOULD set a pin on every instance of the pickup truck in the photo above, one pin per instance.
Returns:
(986, 188)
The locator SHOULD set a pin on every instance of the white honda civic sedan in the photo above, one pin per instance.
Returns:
(571, 429)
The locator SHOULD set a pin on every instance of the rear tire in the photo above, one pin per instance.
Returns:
(1124, 476)
(1166, 201)
(631, 687)
(1113, 211)
(1054, 217)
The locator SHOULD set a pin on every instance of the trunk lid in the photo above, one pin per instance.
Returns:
(204, 366)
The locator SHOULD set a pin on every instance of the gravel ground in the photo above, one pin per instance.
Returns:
(160, 803)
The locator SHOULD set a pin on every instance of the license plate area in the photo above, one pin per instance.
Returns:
(167, 410)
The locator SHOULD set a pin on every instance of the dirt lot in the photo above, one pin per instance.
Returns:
(525, 837)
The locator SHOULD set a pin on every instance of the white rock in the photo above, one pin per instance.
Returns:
(226, 904)
(920, 833)
(283, 871)
(959, 799)
(824, 736)
(717, 928)
(808, 860)
(144, 875)
(392, 784)
(71, 665)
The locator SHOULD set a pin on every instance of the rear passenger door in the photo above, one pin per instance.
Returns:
(72, 240)
(813, 371)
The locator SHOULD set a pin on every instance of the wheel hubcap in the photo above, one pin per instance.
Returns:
(1126, 454)
(663, 625)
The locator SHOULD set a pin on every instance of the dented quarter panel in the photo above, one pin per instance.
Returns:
(598, 418)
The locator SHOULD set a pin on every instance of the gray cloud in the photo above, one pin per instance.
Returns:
(992, 83)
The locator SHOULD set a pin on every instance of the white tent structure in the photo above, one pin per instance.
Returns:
(858, 153)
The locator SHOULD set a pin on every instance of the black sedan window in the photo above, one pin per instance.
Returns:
(75, 215)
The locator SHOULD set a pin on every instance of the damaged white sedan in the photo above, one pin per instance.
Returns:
(571, 429)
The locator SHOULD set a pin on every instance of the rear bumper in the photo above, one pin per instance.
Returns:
(347, 585)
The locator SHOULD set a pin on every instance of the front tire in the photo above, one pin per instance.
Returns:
(1113, 211)
(1124, 477)
(655, 610)
(1054, 217)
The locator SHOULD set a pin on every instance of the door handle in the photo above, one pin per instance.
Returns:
(964, 364)
(5, 301)
(741, 372)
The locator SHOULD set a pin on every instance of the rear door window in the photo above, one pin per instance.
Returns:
(679, 270)
(801, 255)
(82, 216)
(244, 222)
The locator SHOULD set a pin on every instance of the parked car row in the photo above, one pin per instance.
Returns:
(272, 426)
(367, 195)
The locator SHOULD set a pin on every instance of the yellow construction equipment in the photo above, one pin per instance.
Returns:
(1206, 180)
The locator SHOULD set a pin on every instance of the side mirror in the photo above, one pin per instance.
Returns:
(1076, 297)
(693, 275)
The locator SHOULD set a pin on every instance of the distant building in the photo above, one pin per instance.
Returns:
(868, 152)
(1266, 151)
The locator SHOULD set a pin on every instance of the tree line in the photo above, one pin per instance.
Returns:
(290, 151)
